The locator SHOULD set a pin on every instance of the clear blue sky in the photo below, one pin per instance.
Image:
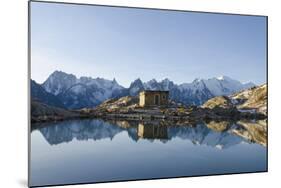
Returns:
(126, 44)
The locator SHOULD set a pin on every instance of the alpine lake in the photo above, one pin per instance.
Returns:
(97, 150)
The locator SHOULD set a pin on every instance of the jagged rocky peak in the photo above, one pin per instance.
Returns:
(152, 81)
(116, 85)
(135, 87)
(196, 80)
(153, 85)
(137, 82)
(167, 84)
(85, 79)
(114, 81)
(83, 92)
(62, 75)
(166, 81)
(199, 83)
(58, 82)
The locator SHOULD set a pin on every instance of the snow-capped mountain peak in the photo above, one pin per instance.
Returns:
(197, 80)
(82, 92)
(114, 81)
(152, 81)
(135, 87)
(58, 82)
(222, 77)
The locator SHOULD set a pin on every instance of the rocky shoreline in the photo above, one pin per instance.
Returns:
(173, 114)
(246, 105)
(191, 114)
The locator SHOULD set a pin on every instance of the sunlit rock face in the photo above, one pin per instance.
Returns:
(218, 126)
(254, 98)
(253, 131)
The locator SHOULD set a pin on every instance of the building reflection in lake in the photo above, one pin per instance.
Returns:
(152, 131)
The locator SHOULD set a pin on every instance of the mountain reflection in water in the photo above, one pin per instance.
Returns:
(216, 134)
(95, 150)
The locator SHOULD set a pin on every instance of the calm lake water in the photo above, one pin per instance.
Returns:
(93, 150)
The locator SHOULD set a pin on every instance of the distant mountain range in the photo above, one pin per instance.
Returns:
(68, 91)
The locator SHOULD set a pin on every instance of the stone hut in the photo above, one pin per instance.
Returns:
(153, 98)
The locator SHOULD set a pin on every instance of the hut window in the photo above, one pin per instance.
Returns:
(164, 97)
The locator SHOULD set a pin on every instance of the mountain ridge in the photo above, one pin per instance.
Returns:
(81, 92)
(40, 94)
